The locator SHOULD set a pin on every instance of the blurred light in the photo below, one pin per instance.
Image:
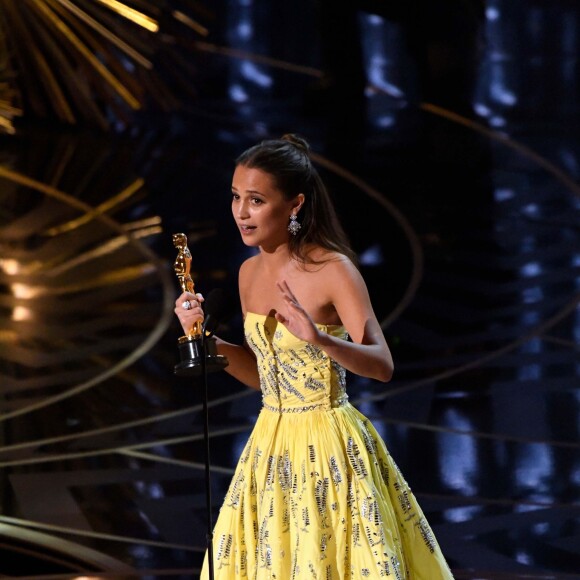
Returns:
(21, 313)
(261, 129)
(132, 14)
(458, 454)
(482, 110)
(497, 121)
(385, 121)
(238, 94)
(498, 91)
(523, 558)
(534, 467)
(127, 64)
(10, 267)
(531, 269)
(372, 256)
(245, 30)
(375, 49)
(152, 490)
(185, 19)
(531, 209)
(462, 514)
(541, 528)
(492, 13)
(251, 72)
(523, 508)
(25, 291)
(503, 194)
(376, 69)
(375, 20)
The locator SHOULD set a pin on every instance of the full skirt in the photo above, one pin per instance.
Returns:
(317, 495)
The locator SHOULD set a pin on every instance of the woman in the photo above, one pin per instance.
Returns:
(315, 493)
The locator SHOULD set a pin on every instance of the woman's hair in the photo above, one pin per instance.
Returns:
(287, 160)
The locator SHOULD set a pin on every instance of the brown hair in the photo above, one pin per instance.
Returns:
(288, 161)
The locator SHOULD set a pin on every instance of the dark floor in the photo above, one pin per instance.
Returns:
(456, 176)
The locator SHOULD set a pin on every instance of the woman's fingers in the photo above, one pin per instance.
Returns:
(288, 295)
(189, 301)
(189, 310)
(281, 318)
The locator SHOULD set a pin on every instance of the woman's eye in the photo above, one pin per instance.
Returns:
(235, 196)
(256, 201)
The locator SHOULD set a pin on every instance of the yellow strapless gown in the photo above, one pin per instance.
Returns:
(316, 494)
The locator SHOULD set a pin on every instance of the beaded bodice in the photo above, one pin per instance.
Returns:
(295, 376)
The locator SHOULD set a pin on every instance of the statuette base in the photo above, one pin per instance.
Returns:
(191, 357)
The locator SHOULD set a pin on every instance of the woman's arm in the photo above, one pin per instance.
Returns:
(368, 354)
(370, 358)
(242, 363)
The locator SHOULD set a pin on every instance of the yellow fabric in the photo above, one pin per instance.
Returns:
(316, 494)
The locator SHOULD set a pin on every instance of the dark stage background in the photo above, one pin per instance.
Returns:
(448, 134)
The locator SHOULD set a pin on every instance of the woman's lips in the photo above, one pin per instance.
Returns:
(247, 229)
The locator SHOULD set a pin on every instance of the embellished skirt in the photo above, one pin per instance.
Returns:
(317, 495)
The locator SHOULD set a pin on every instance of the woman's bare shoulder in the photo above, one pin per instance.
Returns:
(323, 259)
(245, 276)
(247, 271)
(248, 265)
(338, 274)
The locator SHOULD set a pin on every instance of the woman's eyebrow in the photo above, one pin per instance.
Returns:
(253, 191)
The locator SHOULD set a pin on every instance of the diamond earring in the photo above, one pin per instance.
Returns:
(294, 226)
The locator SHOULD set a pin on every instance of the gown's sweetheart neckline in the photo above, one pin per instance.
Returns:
(257, 314)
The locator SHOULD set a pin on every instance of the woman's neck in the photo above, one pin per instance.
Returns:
(275, 259)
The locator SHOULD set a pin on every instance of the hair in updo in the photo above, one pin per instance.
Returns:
(287, 161)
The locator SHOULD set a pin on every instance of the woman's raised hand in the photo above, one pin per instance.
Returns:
(189, 311)
(296, 319)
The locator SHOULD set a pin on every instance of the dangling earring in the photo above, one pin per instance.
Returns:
(294, 226)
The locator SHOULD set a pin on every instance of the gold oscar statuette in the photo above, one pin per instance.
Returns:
(196, 351)
(182, 267)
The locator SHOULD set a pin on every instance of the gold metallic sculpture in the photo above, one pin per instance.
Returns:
(182, 267)
(197, 349)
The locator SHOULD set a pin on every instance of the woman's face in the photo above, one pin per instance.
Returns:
(259, 208)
